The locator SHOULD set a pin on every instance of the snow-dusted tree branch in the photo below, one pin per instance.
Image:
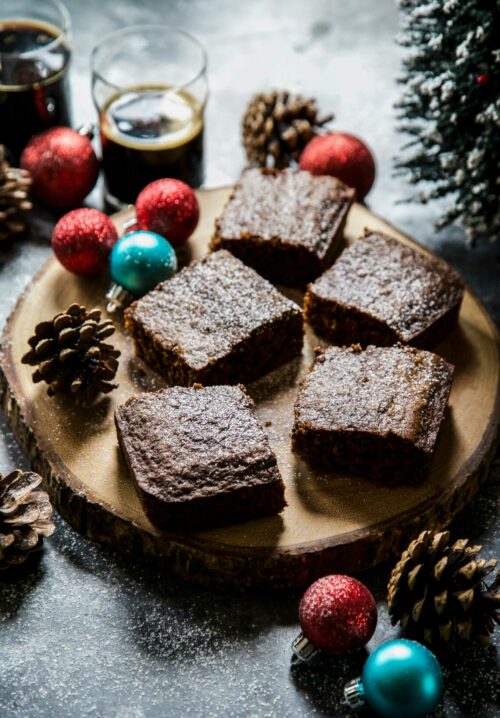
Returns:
(450, 109)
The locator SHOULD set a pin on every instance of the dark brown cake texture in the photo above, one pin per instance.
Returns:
(199, 457)
(375, 412)
(216, 322)
(286, 225)
(380, 291)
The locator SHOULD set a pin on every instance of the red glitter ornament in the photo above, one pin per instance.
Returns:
(82, 241)
(483, 78)
(343, 156)
(63, 165)
(168, 207)
(337, 614)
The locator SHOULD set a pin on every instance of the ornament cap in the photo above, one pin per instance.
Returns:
(87, 130)
(303, 650)
(118, 298)
(354, 694)
(129, 225)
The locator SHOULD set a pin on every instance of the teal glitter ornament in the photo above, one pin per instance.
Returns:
(400, 679)
(138, 262)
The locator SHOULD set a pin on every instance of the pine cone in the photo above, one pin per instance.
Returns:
(277, 126)
(71, 355)
(25, 517)
(14, 187)
(438, 592)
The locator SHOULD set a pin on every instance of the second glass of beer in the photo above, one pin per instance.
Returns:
(149, 86)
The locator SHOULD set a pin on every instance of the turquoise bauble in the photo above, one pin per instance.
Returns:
(402, 679)
(141, 260)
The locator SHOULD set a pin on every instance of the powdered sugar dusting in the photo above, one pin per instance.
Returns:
(391, 282)
(294, 208)
(390, 390)
(210, 307)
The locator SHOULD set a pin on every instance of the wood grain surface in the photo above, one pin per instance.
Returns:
(332, 522)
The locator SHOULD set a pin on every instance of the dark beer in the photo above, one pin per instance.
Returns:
(147, 133)
(34, 92)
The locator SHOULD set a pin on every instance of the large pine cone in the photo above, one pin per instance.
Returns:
(25, 517)
(71, 355)
(14, 203)
(277, 126)
(438, 592)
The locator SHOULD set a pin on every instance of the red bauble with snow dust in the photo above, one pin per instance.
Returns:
(343, 156)
(82, 241)
(337, 614)
(168, 207)
(63, 166)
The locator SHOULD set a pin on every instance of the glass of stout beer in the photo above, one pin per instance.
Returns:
(34, 61)
(149, 85)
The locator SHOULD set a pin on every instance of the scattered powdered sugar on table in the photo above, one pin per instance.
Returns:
(85, 634)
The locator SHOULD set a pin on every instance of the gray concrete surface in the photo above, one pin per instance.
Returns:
(84, 634)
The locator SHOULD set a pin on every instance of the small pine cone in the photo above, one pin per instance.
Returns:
(25, 517)
(277, 126)
(14, 203)
(71, 355)
(437, 591)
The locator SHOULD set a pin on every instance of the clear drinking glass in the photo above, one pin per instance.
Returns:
(149, 85)
(34, 59)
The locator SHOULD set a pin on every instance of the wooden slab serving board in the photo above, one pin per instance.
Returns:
(331, 523)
